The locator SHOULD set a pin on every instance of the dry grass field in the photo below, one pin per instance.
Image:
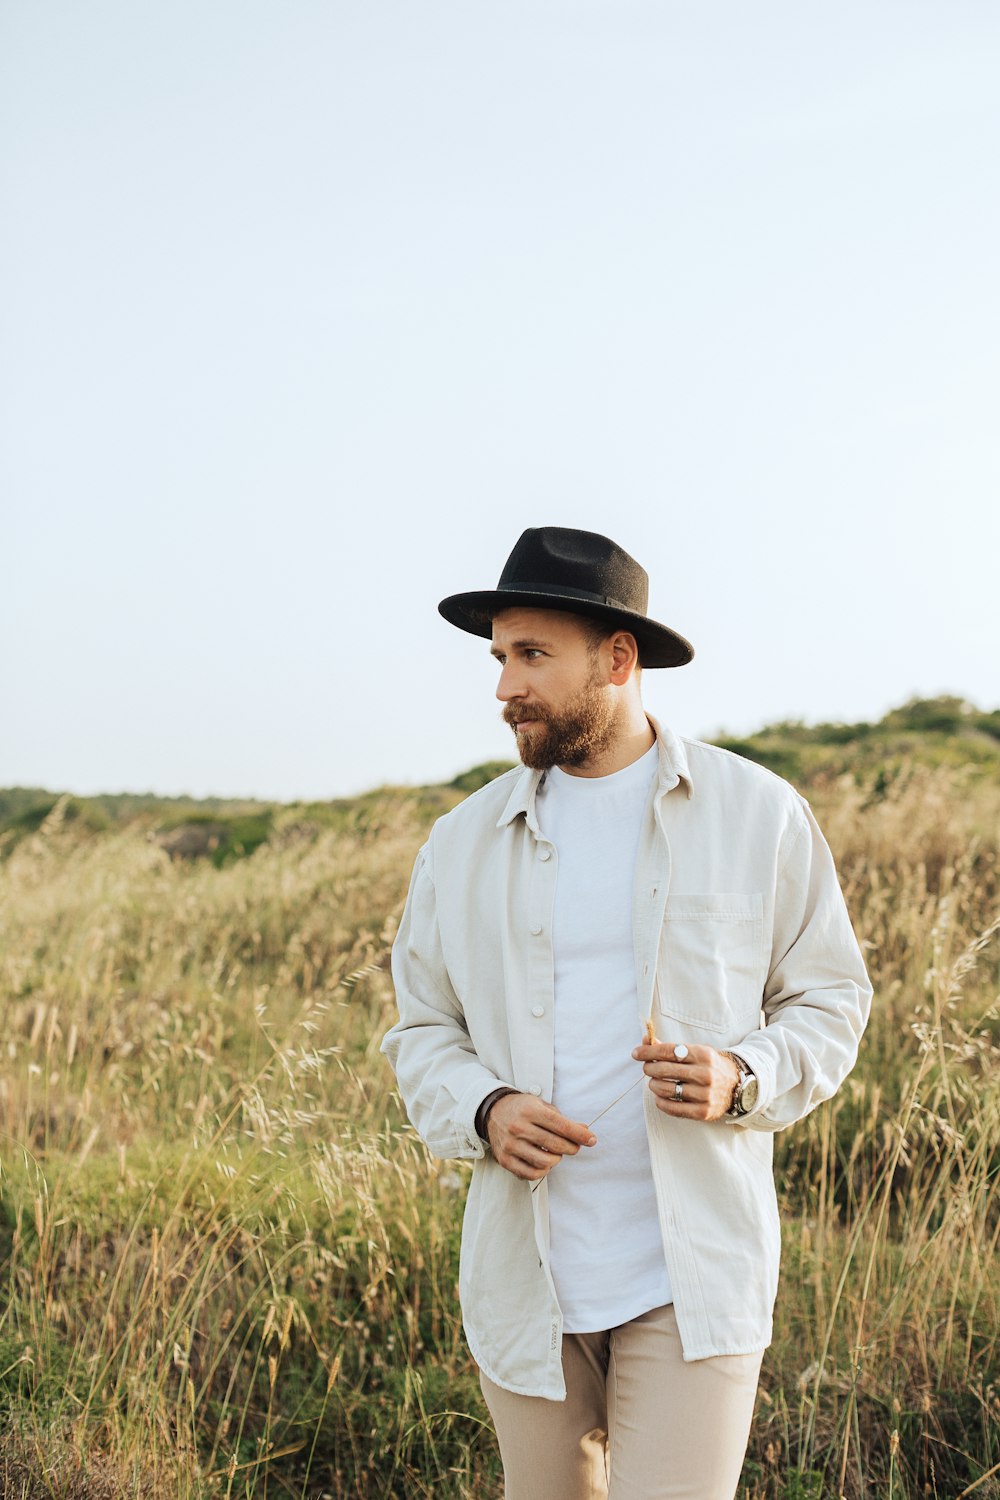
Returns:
(229, 1268)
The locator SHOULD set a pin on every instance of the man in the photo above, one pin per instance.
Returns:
(620, 1246)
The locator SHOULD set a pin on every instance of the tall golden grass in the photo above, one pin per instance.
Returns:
(230, 1268)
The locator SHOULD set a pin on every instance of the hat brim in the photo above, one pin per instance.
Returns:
(659, 646)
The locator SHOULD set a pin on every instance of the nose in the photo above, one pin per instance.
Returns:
(510, 685)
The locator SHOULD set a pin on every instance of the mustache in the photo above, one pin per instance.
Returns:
(518, 714)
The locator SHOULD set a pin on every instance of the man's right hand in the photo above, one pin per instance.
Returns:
(530, 1137)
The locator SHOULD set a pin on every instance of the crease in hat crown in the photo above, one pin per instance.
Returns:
(583, 572)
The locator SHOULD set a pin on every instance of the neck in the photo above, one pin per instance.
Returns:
(633, 739)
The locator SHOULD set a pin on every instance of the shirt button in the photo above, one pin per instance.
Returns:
(536, 929)
(545, 854)
(645, 969)
(536, 1088)
(538, 1010)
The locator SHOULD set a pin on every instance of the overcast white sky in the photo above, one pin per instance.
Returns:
(308, 309)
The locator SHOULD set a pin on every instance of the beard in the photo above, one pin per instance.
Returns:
(583, 729)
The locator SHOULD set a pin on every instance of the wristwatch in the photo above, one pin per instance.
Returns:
(746, 1090)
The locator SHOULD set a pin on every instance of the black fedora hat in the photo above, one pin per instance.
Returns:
(555, 567)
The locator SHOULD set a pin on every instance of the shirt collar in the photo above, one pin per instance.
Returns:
(673, 768)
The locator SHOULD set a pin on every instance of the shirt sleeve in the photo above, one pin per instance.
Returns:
(440, 1077)
(817, 997)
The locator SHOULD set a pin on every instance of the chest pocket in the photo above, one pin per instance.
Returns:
(710, 973)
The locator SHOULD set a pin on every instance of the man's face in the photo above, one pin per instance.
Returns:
(551, 685)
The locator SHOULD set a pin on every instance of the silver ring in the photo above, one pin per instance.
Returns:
(680, 1051)
(678, 1091)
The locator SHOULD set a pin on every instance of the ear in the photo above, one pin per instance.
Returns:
(625, 657)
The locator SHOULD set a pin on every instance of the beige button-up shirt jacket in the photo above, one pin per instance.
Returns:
(742, 941)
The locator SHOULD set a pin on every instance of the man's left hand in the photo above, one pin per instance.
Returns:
(707, 1080)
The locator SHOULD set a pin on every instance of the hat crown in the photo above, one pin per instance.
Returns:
(583, 562)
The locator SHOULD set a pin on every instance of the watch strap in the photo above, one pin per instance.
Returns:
(483, 1112)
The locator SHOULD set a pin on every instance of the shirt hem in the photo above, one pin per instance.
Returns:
(695, 1354)
(551, 1394)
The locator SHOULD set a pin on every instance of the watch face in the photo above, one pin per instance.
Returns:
(748, 1095)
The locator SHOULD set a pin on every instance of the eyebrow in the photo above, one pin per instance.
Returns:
(524, 645)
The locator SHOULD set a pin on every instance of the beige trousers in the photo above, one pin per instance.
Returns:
(637, 1423)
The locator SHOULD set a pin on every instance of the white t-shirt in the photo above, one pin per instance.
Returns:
(606, 1247)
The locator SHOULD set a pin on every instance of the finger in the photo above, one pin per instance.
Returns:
(683, 1111)
(531, 1114)
(526, 1160)
(537, 1161)
(523, 1129)
(657, 1052)
(536, 1158)
(557, 1144)
(540, 1140)
(558, 1126)
(524, 1170)
(688, 1074)
(668, 1052)
(666, 1088)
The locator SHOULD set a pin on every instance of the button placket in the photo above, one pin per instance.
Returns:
(536, 1060)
